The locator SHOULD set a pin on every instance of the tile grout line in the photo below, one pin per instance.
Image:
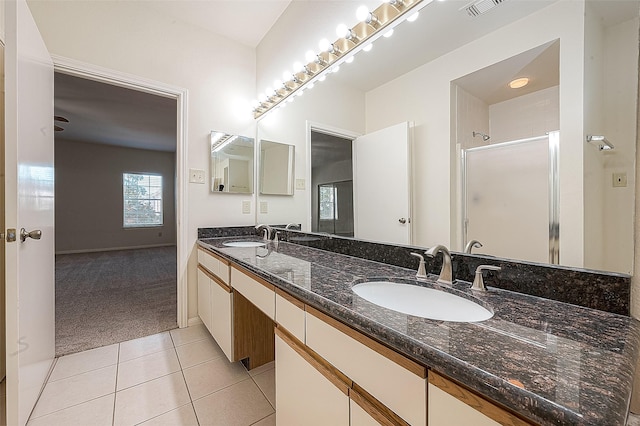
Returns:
(193, 407)
(115, 390)
(260, 389)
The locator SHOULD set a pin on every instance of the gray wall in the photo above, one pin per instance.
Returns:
(88, 185)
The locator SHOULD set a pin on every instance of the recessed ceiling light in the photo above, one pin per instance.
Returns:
(518, 83)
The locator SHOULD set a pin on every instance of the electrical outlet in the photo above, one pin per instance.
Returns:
(196, 176)
(619, 180)
(246, 207)
(299, 183)
(264, 207)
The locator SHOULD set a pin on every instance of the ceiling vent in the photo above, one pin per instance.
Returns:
(479, 7)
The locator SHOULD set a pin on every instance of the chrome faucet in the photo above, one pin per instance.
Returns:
(422, 271)
(446, 274)
(291, 226)
(267, 231)
(471, 245)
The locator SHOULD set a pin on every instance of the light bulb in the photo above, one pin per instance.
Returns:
(277, 84)
(349, 60)
(342, 31)
(255, 104)
(323, 77)
(335, 68)
(362, 13)
(413, 17)
(268, 91)
(324, 45)
(286, 75)
(310, 56)
(297, 67)
(388, 33)
(368, 47)
(262, 97)
(310, 86)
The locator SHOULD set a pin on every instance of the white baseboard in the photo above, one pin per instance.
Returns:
(114, 248)
(194, 321)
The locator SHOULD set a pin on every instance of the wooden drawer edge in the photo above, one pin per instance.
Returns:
(254, 277)
(336, 377)
(375, 408)
(401, 360)
(475, 401)
(215, 279)
(289, 298)
(221, 259)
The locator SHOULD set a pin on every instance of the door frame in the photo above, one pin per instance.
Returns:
(129, 81)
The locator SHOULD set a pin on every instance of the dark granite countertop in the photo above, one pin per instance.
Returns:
(575, 364)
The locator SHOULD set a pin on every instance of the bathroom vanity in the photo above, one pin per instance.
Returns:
(341, 359)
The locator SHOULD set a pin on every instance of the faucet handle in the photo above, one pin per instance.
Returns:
(478, 282)
(422, 270)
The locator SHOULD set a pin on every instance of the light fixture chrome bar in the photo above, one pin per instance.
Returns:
(601, 142)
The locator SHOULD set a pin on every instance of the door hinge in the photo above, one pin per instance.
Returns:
(11, 235)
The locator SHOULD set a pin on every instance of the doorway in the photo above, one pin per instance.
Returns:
(115, 225)
(332, 184)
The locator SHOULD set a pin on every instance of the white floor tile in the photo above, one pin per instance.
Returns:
(183, 416)
(97, 412)
(81, 362)
(264, 367)
(182, 336)
(267, 421)
(150, 399)
(148, 367)
(76, 389)
(241, 404)
(267, 383)
(198, 352)
(144, 346)
(213, 375)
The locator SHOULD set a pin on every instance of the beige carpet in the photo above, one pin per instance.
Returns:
(109, 297)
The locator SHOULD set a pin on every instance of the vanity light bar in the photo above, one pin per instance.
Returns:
(220, 140)
(387, 16)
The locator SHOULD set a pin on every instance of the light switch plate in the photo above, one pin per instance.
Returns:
(299, 183)
(619, 180)
(246, 207)
(196, 176)
(264, 207)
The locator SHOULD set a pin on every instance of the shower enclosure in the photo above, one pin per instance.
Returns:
(510, 198)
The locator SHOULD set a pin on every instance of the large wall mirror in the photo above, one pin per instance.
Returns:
(231, 163)
(448, 75)
(277, 168)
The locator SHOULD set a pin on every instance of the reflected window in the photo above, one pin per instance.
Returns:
(328, 202)
(142, 196)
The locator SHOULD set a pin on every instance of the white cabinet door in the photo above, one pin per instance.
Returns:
(304, 395)
(204, 299)
(222, 318)
(381, 185)
(29, 197)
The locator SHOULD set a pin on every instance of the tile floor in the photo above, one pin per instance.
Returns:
(175, 378)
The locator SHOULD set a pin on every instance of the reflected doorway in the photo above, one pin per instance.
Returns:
(332, 184)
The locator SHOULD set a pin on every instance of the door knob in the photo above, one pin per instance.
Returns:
(36, 234)
(402, 220)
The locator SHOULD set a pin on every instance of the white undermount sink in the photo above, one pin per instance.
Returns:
(422, 301)
(244, 244)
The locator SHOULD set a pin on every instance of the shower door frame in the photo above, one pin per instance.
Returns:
(554, 187)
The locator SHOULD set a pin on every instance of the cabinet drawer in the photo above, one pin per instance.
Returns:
(217, 266)
(290, 314)
(256, 290)
(392, 379)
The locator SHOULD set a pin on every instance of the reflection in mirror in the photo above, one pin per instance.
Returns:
(586, 46)
(277, 168)
(231, 163)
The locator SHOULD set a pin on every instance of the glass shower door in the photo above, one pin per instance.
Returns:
(509, 192)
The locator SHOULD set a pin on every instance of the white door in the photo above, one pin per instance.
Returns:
(381, 182)
(29, 193)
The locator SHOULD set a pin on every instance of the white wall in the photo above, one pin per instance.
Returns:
(423, 95)
(134, 38)
(526, 116)
(88, 185)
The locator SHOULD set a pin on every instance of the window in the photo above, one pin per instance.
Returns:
(328, 194)
(142, 195)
